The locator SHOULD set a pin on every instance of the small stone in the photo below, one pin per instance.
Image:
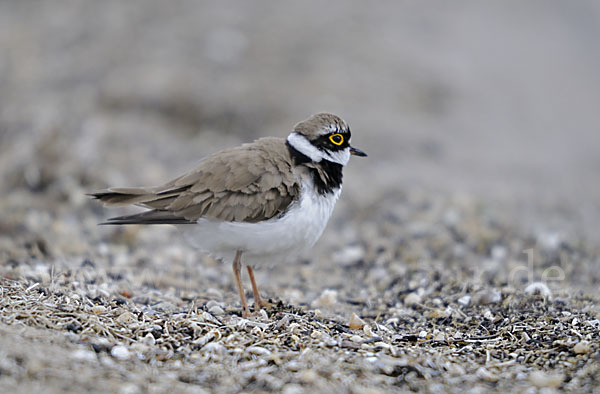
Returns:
(263, 314)
(214, 293)
(149, 339)
(455, 369)
(120, 352)
(126, 318)
(412, 299)
(84, 355)
(464, 300)
(212, 303)
(582, 347)
(487, 296)
(439, 337)
(258, 351)
(326, 299)
(349, 255)
(293, 388)
(214, 347)
(165, 306)
(308, 376)
(129, 388)
(97, 309)
(216, 310)
(356, 323)
(423, 334)
(486, 375)
(550, 241)
(439, 313)
(498, 253)
(539, 288)
(594, 323)
(451, 217)
(293, 366)
(540, 379)
(356, 338)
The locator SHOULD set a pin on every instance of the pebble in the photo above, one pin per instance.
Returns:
(439, 337)
(308, 376)
(216, 310)
(455, 369)
(412, 299)
(539, 288)
(582, 347)
(464, 300)
(326, 299)
(498, 253)
(263, 314)
(126, 318)
(356, 338)
(439, 313)
(149, 339)
(214, 347)
(349, 255)
(594, 323)
(486, 375)
(84, 355)
(487, 296)
(212, 303)
(293, 388)
(215, 293)
(549, 241)
(120, 352)
(258, 351)
(165, 306)
(541, 379)
(98, 309)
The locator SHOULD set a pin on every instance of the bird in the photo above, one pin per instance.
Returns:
(260, 203)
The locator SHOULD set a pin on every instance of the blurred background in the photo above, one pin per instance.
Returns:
(496, 101)
(482, 124)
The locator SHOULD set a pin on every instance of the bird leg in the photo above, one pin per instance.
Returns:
(237, 266)
(258, 302)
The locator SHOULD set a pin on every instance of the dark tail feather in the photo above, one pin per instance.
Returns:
(149, 217)
(139, 196)
(121, 197)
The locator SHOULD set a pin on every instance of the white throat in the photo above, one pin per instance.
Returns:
(303, 145)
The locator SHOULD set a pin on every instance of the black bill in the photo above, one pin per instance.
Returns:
(357, 152)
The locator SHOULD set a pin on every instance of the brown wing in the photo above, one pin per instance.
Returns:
(249, 183)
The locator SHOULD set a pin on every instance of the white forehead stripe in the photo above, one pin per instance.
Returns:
(303, 145)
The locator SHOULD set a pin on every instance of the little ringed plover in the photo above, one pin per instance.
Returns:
(266, 201)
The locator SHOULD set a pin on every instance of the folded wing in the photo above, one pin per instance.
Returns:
(250, 183)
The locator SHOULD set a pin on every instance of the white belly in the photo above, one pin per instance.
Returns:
(270, 242)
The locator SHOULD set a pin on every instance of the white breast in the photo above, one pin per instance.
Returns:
(273, 241)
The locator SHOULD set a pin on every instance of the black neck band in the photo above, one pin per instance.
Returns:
(327, 178)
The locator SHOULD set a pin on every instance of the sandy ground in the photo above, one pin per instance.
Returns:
(463, 255)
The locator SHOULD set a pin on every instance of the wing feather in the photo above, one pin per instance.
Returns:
(249, 183)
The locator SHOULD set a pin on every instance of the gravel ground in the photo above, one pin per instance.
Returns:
(463, 254)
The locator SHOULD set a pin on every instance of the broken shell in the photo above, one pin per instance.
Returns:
(355, 323)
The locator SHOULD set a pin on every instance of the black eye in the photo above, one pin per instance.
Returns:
(336, 139)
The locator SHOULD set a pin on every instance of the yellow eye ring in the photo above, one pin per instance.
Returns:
(336, 139)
